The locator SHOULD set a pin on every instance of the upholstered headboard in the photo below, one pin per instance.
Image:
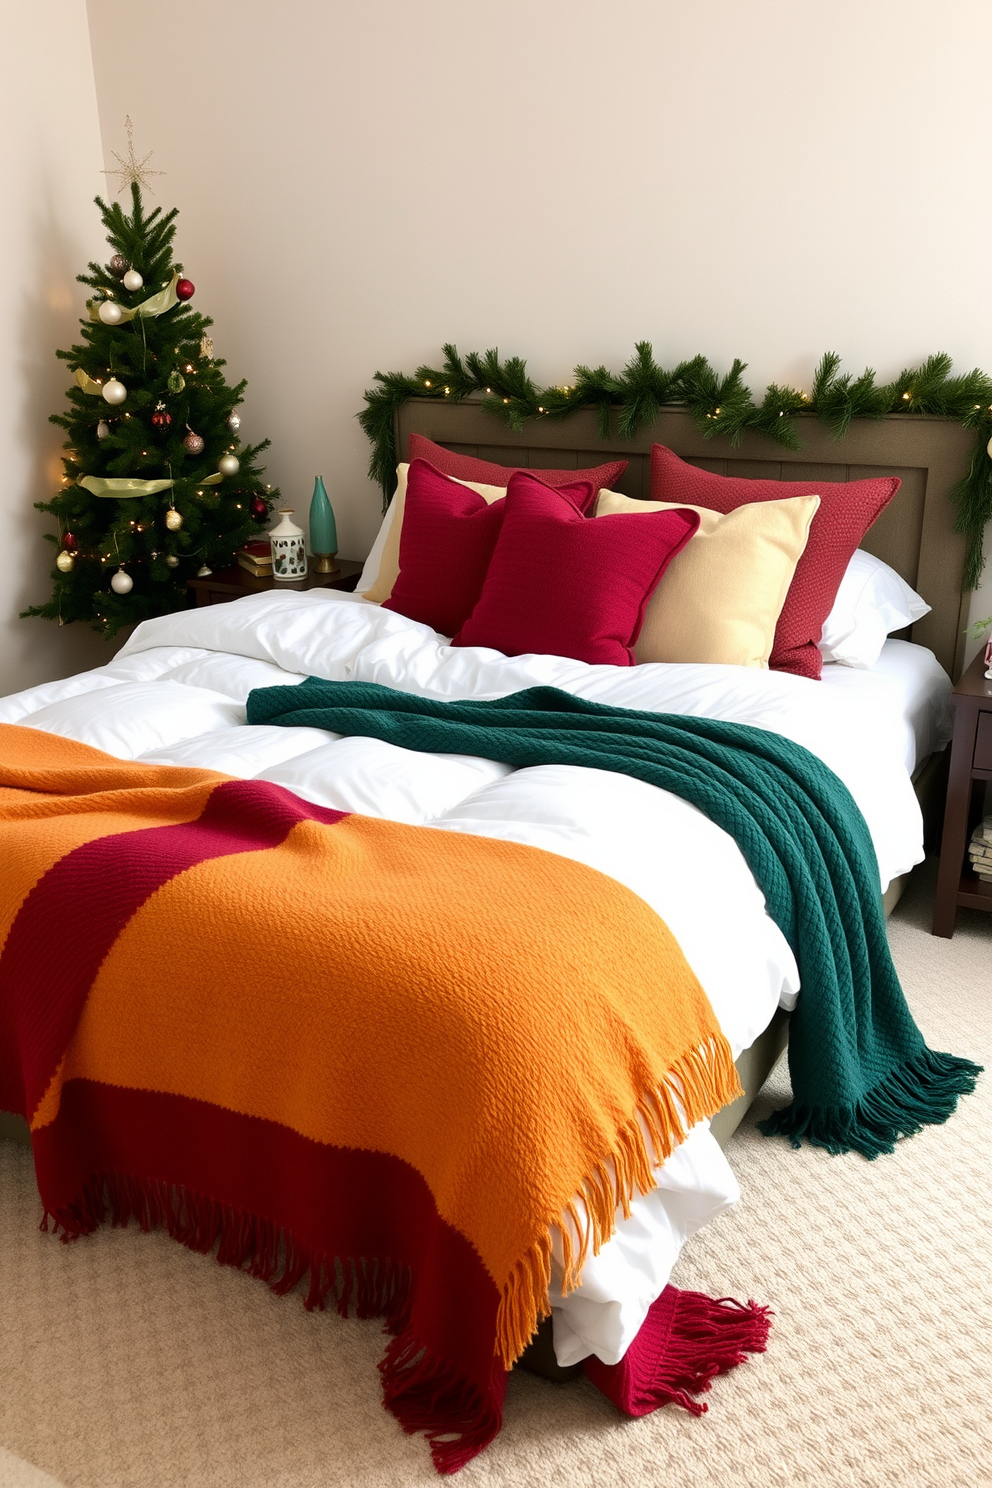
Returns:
(915, 534)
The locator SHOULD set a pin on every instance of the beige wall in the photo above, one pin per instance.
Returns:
(359, 183)
(50, 165)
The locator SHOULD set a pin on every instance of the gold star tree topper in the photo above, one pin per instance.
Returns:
(132, 169)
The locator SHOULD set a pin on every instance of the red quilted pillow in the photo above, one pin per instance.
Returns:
(446, 541)
(563, 585)
(847, 509)
(467, 467)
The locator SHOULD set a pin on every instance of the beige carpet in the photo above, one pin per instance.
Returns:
(127, 1361)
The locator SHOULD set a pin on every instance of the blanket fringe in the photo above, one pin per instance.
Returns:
(698, 1084)
(361, 1286)
(922, 1092)
(685, 1341)
(420, 1389)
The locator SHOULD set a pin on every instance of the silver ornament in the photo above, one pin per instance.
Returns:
(110, 312)
(118, 265)
(234, 421)
(102, 429)
(65, 563)
(122, 583)
(114, 391)
(193, 442)
(228, 464)
(133, 280)
(171, 560)
(173, 519)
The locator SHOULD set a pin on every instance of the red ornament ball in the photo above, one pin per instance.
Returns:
(69, 542)
(259, 508)
(185, 289)
(161, 419)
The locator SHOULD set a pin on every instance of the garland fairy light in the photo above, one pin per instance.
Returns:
(717, 406)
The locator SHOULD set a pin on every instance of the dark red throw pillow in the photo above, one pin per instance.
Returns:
(446, 541)
(847, 509)
(562, 584)
(468, 467)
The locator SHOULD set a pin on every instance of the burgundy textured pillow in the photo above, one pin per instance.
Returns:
(446, 541)
(563, 585)
(847, 509)
(467, 467)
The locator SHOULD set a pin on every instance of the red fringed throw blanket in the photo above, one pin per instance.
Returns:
(380, 1061)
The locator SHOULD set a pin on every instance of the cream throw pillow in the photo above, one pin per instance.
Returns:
(381, 586)
(721, 597)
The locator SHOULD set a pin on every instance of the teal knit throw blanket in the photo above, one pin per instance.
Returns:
(862, 1076)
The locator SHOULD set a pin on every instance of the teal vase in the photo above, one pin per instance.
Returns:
(323, 532)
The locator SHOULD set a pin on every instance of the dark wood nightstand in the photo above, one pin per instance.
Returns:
(235, 582)
(971, 770)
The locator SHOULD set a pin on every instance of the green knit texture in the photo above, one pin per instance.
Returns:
(862, 1076)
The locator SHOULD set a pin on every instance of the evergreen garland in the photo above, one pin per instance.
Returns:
(716, 405)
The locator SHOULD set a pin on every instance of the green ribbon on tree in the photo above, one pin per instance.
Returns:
(156, 304)
(116, 485)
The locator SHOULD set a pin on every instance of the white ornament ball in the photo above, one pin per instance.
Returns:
(173, 519)
(65, 563)
(122, 583)
(234, 421)
(110, 312)
(114, 391)
(228, 464)
(133, 280)
(102, 429)
(172, 561)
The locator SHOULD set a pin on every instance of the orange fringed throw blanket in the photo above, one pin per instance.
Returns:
(389, 1057)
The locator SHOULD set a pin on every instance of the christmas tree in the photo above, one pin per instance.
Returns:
(156, 484)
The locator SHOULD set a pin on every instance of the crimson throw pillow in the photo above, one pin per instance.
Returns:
(564, 585)
(467, 467)
(446, 541)
(847, 509)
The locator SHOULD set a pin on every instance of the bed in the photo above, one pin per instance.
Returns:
(175, 696)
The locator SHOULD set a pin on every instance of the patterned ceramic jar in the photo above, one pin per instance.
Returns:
(289, 555)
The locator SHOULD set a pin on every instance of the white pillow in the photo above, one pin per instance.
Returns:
(373, 562)
(871, 603)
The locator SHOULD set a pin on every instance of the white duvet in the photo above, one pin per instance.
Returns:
(175, 694)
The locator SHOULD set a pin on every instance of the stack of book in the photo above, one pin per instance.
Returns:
(980, 849)
(256, 558)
